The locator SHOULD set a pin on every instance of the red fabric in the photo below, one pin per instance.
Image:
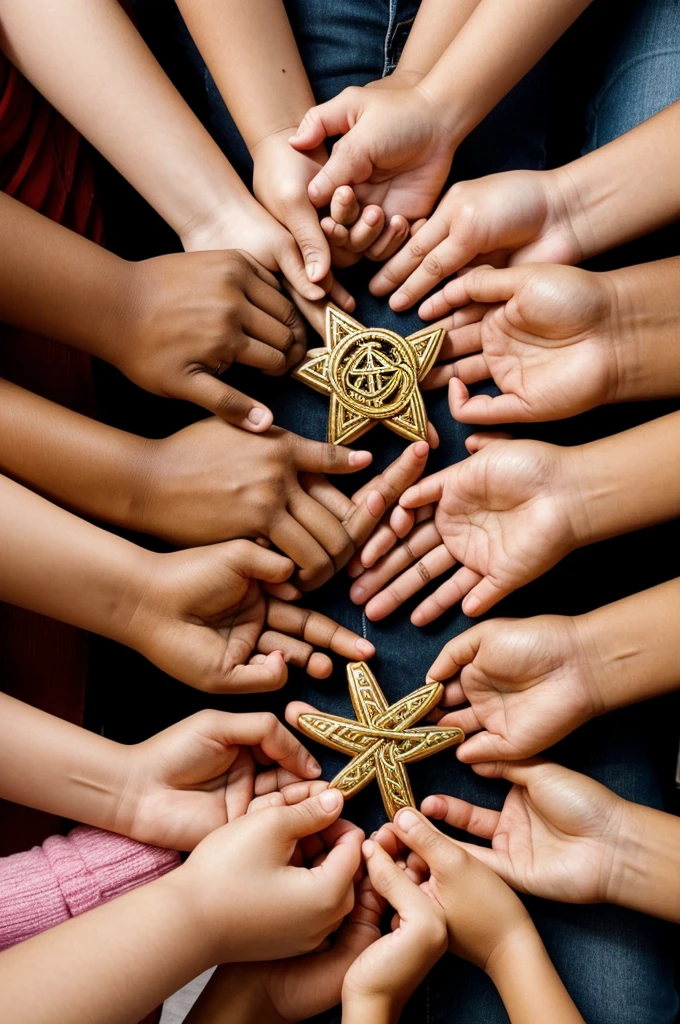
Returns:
(45, 164)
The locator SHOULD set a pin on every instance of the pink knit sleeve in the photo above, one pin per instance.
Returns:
(68, 875)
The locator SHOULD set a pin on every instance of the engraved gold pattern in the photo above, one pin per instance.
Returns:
(371, 375)
(381, 739)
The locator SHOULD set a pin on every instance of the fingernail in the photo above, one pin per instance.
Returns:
(471, 605)
(373, 834)
(406, 820)
(421, 449)
(357, 593)
(430, 679)
(365, 647)
(397, 299)
(313, 766)
(312, 269)
(355, 458)
(371, 217)
(331, 799)
(367, 848)
(256, 416)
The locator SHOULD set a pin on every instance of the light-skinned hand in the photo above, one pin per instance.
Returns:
(508, 218)
(506, 515)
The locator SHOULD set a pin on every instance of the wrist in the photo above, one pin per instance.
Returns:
(450, 117)
(520, 945)
(601, 652)
(359, 1007)
(645, 868)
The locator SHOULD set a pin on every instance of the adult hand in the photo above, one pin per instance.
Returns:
(528, 683)
(508, 218)
(507, 515)
(201, 616)
(556, 836)
(190, 316)
(482, 913)
(200, 773)
(264, 907)
(549, 340)
(391, 138)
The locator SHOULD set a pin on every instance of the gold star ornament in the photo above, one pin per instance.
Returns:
(372, 375)
(381, 741)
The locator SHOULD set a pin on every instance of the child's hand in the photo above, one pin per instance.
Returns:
(549, 342)
(247, 898)
(354, 232)
(188, 316)
(556, 837)
(212, 482)
(383, 977)
(282, 991)
(529, 683)
(481, 911)
(391, 138)
(507, 515)
(509, 218)
(201, 616)
(200, 773)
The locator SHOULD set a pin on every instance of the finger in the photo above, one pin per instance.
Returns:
(337, 234)
(303, 223)
(453, 694)
(484, 746)
(319, 630)
(457, 652)
(322, 490)
(322, 122)
(263, 357)
(239, 785)
(394, 885)
(466, 720)
(341, 297)
(483, 596)
(445, 597)
(323, 526)
(266, 731)
(389, 241)
(272, 330)
(284, 591)
(265, 293)
(485, 284)
(399, 269)
(344, 208)
(295, 652)
(478, 821)
(263, 677)
(424, 493)
(231, 405)
(521, 773)
(312, 561)
(424, 839)
(409, 583)
(377, 546)
(318, 457)
(260, 803)
(340, 867)
(367, 229)
(425, 538)
(472, 369)
(274, 780)
(389, 486)
(485, 408)
(347, 165)
(289, 259)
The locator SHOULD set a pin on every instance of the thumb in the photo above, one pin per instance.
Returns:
(485, 284)
(393, 884)
(348, 164)
(303, 224)
(310, 816)
(323, 121)
(254, 562)
(423, 838)
(222, 400)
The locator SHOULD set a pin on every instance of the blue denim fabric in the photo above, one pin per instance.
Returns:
(613, 961)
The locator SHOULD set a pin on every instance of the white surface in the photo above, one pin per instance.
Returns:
(177, 1007)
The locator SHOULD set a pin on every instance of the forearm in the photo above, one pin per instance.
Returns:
(632, 647)
(527, 982)
(499, 43)
(60, 566)
(253, 57)
(58, 767)
(436, 25)
(112, 965)
(108, 85)
(379, 1010)
(235, 995)
(645, 329)
(645, 875)
(625, 482)
(69, 458)
(617, 192)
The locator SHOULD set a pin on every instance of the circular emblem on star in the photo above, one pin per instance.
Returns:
(374, 372)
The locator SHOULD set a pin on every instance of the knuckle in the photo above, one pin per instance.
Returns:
(230, 403)
(432, 266)
(267, 721)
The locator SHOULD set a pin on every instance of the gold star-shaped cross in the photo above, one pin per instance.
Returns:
(381, 740)
(371, 374)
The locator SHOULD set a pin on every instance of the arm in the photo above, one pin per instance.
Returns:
(437, 24)
(135, 117)
(527, 982)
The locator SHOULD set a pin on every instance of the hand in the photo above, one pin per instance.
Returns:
(354, 232)
(507, 515)
(281, 991)
(550, 343)
(247, 898)
(200, 773)
(529, 683)
(482, 912)
(188, 315)
(509, 218)
(211, 482)
(200, 616)
(391, 138)
(556, 836)
(383, 977)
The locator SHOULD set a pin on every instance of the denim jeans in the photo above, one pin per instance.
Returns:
(613, 961)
